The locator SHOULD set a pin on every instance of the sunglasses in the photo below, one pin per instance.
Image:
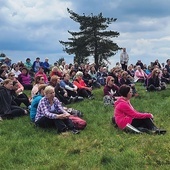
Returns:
(12, 75)
(41, 79)
(112, 80)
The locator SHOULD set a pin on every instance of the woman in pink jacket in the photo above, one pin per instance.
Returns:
(125, 114)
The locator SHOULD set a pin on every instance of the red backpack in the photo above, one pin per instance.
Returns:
(79, 123)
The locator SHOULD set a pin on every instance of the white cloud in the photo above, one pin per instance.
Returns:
(33, 28)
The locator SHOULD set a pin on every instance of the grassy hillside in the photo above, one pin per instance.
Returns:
(100, 146)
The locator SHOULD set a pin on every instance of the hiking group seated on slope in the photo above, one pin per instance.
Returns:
(71, 83)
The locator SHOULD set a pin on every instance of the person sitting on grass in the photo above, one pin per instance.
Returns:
(125, 114)
(7, 110)
(50, 113)
(38, 81)
(83, 89)
(70, 87)
(111, 91)
(125, 79)
(19, 98)
(60, 92)
(41, 73)
(154, 81)
(36, 99)
(25, 79)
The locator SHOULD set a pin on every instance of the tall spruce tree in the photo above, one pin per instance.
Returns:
(94, 38)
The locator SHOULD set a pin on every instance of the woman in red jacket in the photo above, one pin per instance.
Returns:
(125, 114)
(83, 90)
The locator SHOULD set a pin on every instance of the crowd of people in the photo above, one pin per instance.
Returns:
(52, 87)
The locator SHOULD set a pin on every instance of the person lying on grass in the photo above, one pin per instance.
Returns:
(50, 113)
(125, 114)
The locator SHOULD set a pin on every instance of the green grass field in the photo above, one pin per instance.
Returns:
(99, 146)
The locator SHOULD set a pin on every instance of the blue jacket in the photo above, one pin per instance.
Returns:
(34, 105)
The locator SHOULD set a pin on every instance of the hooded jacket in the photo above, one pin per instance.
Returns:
(5, 100)
(124, 113)
(34, 105)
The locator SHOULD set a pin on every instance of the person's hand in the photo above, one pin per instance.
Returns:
(75, 90)
(65, 94)
(63, 116)
(66, 115)
(89, 88)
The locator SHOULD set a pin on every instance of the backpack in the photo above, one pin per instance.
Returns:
(79, 123)
(108, 100)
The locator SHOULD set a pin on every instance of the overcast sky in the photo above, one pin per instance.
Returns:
(33, 28)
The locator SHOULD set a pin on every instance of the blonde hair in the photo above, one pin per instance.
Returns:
(6, 81)
(79, 73)
(48, 89)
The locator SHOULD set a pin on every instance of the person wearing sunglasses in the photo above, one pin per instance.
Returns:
(154, 82)
(111, 91)
(38, 81)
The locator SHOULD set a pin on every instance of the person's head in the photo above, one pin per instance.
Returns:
(11, 76)
(39, 80)
(54, 80)
(124, 74)
(138, 68)
(24, 71)
(28, 60)
(63, 63)
(2, 73)
(66, 77)
(124, 49)
(165, 71)
(55, 69)
(49, 92)
(7, 83)
(92, 69)
(79, 75)
(16, 67)
(4, 67)
(155, 72)
(86, 71)
(37, 59)
(130, 67)
(66, 66)
(72, 73)
(126, 91)
(46, 60)
(41, 89)
(109, 81)
(105, 69)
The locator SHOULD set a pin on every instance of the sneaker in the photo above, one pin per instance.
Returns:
(74, 99)
(90, 97)
(160, 131)
(75, 131)
(80, 98)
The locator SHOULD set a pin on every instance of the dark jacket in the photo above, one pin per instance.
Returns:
(5, 100)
